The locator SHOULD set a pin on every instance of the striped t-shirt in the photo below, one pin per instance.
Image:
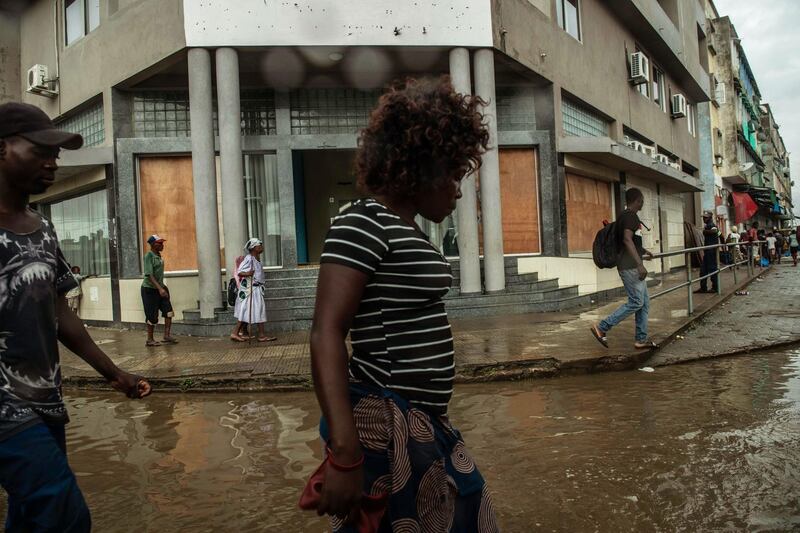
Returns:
(401, 337)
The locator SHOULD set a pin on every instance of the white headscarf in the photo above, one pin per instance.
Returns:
(252, 243)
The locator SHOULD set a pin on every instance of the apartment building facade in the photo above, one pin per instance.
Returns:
(208, 123)
(746, 173)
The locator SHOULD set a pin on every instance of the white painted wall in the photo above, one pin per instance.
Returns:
(95, 301)
(338, 23)
(580, 271)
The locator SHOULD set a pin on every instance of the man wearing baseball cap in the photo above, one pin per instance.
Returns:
(155, 295)
(711, 236)
(43, 494)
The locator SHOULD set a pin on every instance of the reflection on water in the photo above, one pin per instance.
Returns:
(707, 446)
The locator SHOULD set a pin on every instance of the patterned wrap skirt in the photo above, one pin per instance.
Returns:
(422, 462)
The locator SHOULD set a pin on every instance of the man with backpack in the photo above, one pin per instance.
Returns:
(627, 229)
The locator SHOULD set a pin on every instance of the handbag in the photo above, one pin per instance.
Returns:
(372, 507)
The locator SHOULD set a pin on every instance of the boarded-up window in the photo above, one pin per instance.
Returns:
(588, 204)
(520, 200)
(166, 197)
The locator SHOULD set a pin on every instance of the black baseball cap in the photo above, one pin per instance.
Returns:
(30, 122)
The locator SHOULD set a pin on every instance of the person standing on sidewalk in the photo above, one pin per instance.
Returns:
(771, 242)
(711, 236)
(779, 242)
(632, 272)
(250, 306)
(155, 295)
(43, 494)
(793, 246)
(74, 295)
(381, 280)
(735, 249)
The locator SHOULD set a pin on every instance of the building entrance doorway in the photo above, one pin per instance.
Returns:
(324, 181)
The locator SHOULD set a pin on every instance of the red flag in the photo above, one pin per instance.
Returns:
(744, 206)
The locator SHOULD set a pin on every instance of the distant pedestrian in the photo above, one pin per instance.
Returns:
(733, 242)
(793, 246)
(771, 243)
(251, 308)
(780, 240)
(632, 272)
(43, 493)
(74, 295)
(711, 236)
(752, 237)
(155, 295)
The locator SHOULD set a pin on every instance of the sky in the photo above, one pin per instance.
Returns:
(771, 39)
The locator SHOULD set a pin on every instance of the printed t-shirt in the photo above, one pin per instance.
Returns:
(33, 273)
(401, 336)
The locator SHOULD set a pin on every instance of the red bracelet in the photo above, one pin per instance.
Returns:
(342, 468)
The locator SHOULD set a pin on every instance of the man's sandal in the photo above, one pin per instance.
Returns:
(647, 345)
(600, 336)
(267, 339)
(169, 340)
(152, 343)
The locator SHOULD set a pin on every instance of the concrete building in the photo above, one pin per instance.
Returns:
(777, 174)
(208, 123)
(743, 151)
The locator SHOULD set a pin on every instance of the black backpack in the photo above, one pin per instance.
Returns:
(605, 249)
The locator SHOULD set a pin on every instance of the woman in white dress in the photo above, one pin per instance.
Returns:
(250, 307)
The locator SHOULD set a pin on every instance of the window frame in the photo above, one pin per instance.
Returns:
(659, 81)
(644, 88)
(691, 119)
(561, 19)
(85, 16)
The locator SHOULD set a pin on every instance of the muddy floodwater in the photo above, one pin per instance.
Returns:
(710, 446)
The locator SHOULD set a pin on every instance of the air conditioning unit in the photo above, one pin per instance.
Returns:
(675, 165)
(38, 81)
(661, 158)
(636, 145)
(718, 160)
(678, 106)
(650, 150)
(640, 68)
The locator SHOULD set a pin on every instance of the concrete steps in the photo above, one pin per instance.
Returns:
(291, 294)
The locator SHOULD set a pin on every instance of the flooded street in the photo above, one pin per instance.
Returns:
(698, 447)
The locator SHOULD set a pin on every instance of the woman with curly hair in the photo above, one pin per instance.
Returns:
(382, 281)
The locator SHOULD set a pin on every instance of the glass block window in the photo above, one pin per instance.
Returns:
(162, 114)
(515, 111)
(331, 110)
(89, 123)
(166, 113)
(258, 112)
(580, 121)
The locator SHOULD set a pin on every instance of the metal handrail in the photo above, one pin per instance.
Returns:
(716, 247)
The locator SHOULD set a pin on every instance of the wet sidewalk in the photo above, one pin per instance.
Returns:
(489, 348)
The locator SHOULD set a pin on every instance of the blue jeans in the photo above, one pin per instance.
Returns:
(638, 302)
(43, 494)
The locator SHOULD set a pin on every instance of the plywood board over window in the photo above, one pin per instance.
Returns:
(520, 200)
(588, 204)
(166, 198)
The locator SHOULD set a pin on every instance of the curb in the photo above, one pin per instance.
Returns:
(470, 373)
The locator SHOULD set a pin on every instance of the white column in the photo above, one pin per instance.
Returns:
(205, 183)
(234, 216)
(491, 214)
(467, 210)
